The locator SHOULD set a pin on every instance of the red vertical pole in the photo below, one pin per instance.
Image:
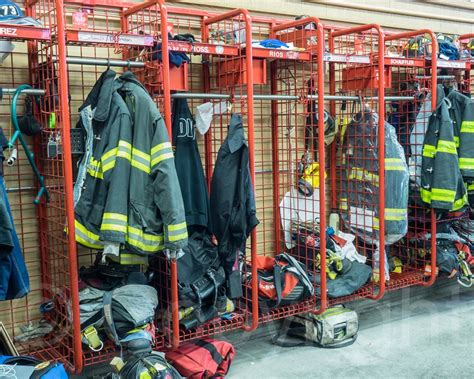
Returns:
(332, 109)
(381, 143)
(251, 138)
(167, 112)
(207, 88)
(322, 166)
(434, 95)
(68, 183)
(275, 159)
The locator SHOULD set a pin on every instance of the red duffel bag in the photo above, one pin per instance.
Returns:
(203, 358)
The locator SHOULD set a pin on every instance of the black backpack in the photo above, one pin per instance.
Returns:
(201, 279)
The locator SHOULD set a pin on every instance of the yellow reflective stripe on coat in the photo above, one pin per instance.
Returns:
(466, 163)
(141, 160)
(470, 187)
(438, 194)
(467, 127)
(429, 151)
(376, 225)
(363, 175)
(458, 204)
(395, 214)
(130, 259)
(146, 242)
(448, 147)
(177, 232)
(343, 204)
(456, 141)
(394, 164)
(161, 152)
(94, 169)
(124, 150)
(87, 238)
(114, 222)
(425, 195)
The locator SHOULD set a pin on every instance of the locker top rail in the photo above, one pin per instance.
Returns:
(24, 32)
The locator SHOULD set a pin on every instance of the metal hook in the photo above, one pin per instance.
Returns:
(354, 116)
(108, 63)
(129, 64)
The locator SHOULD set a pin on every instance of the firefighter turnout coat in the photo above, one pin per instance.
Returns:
(131, 194)
(442, 184)
(104, 196)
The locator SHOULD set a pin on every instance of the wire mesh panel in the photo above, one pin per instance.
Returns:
(356, 172)
(289, 151)
(47, 309)
(214, 70)
(467, 46)
(409, 60)
(22, 188)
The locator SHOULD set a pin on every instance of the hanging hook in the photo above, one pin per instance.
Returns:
(108, 63)
(129, 64)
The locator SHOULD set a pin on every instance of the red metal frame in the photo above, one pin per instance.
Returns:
(469, 77)
(415, 276)
(120, 34)
(272, 157)
(350, 41)
(251, 136)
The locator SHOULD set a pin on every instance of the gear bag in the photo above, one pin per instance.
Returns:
(336, 327)
(202, 359)
(281, 281)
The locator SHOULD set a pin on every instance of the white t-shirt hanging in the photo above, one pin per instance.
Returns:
(297, 207)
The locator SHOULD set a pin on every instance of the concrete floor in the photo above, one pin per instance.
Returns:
(413, 333)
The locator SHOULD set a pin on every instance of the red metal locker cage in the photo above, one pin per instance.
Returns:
(357, 73)
(282, 105)
(88, 37)
(413, 72)
(467, 44)
(221, 70)
(22, 187)
(53, 269)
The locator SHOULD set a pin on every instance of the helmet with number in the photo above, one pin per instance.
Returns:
(9, 10)
(11, 13)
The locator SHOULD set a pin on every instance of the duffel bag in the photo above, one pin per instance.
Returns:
(281, 281)
(335, 327)
(202, 359)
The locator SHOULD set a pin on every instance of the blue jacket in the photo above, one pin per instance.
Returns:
(14, 280)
